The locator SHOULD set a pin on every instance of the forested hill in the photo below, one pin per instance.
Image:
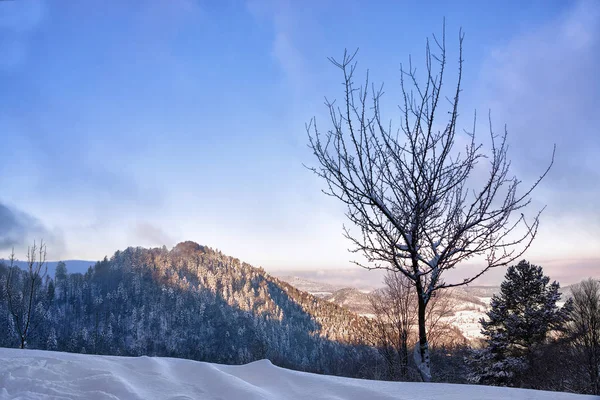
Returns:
(191, 302)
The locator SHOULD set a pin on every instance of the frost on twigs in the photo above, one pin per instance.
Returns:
(407, 187)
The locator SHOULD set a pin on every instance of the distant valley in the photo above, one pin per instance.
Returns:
(470, 302)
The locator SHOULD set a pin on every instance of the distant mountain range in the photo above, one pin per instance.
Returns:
(73, 266)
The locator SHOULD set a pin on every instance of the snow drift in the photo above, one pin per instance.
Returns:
(37, 374)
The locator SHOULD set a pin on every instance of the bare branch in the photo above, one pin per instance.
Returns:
(408, 190)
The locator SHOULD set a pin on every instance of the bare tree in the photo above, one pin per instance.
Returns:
(394, 318)
(585, 325)
(395, 309)
(24, 296)
(407, 188)
(439, 318)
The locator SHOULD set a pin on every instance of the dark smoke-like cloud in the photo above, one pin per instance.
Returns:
(18, 228)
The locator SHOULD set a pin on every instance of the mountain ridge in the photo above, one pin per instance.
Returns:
(195, 302)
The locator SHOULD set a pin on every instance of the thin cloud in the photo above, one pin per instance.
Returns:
(151, 235)
(19, 229)
(544, 85)
(286, 45)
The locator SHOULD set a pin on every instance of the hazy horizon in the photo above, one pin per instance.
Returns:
(362, 278)
(148, 124)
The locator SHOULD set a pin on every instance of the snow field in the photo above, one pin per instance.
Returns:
(37, 374)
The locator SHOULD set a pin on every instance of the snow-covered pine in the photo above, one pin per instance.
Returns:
(520, 318)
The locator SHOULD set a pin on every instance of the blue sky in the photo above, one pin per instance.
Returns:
(126, 123)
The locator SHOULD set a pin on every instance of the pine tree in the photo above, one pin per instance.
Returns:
(52, 343)
(519, 320)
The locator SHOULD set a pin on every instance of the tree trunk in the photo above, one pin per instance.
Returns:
(422, 350)
(404, 354)
(594, 372)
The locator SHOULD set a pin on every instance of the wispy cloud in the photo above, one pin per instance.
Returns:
(19, 229)
(147, 234)
(543, 85)
(288, 28)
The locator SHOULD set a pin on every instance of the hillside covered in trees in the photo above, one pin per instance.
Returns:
(191, 302)
(195, 302)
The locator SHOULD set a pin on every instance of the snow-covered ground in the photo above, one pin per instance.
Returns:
(36, 374)
(467, 315)
(468, 322)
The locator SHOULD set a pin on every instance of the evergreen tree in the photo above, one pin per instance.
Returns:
(520, 319)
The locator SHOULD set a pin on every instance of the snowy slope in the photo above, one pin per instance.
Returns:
(36, 374)
(352, 299)
(319, 289)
